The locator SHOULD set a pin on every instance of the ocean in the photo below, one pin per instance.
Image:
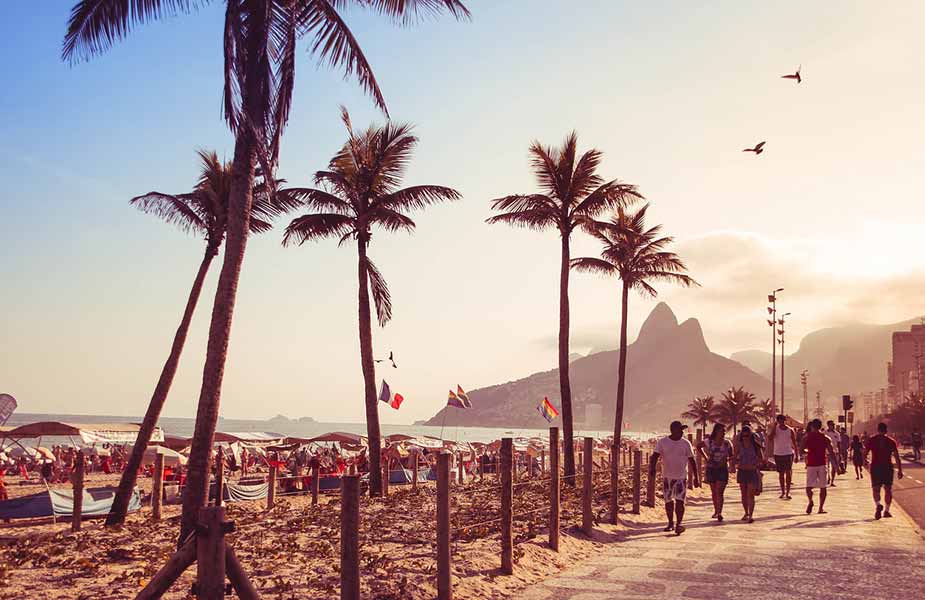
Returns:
(183, 427)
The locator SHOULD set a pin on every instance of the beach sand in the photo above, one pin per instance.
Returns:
(292, 550)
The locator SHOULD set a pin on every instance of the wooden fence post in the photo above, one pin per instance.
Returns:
(157, 493)
(554, 488)
(385, 476)
(77, 516)
(507, 506)
(650, 485)
(316, 480)
(210, 553)
(637, 479)
(271, 488)
(444, 585)
(614, 481)
(459, 468)
(350, 538)
(587, 524)
(219, 477)
(414, 472)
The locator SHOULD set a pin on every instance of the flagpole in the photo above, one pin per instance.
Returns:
(445, 411)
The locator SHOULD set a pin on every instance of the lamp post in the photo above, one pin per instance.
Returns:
(803, 378)
(772, 312)
(781, 332)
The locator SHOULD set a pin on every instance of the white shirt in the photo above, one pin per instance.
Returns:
(783, 443)
(675, 454)
(835, 437)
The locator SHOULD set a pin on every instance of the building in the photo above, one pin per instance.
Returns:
(905, 370)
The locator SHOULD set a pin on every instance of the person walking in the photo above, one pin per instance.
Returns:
(844, 447)
(747, 460)
(916, 444)
(678, 455)
(883, 450)
(833, 453)
(857, 457)
(783, 447)
(717, 452)
(818, 449)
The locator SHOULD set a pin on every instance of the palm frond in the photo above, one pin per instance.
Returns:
(382, 298)
(589, 264)
(536, 219)
(94, 25)
(410, 11)
(389, 219)
(313, 227)
(608, 196)
(418, 197)
(318, 199)
(173, 209)
(519, 202)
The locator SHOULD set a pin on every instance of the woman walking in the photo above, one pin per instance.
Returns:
(747, 459)
(857, 457)
(717, 451)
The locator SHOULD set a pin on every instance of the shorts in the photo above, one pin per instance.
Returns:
(817, 477)
(747, 477)
(674, 490)
(717, 475)
(881, 475)
(783, 462)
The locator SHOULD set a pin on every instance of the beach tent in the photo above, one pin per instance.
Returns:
(340, 437)
(250, 438)
(89, 433)
(172, 458)
(60, 503)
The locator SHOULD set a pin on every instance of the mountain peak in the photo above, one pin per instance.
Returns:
(659, 322)
(692, 332)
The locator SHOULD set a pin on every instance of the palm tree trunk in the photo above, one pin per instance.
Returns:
(568, 433)
(618, 413)
(130, 474)
(369, 372)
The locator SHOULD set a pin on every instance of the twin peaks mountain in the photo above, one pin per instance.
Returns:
(667, 365)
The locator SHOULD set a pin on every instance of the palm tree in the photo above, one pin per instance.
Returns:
(571, 193)
(360, 192)
(259, 76)
(635, 253)
(202, 211)
(700, 411)
(764, 412)
(736, 406)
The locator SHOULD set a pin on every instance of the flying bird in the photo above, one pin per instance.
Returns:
(757, 149)
(391, 359)
(794, 76)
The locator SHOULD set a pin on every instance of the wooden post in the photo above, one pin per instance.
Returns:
(316, 480)
(614, 481)
(77, 517)
(586, 520)
(414, 472)
(507, 506)
(637, 479)
(497, 467)
(169, 573)
(554, 488)
(239, 580)
(542, 462)
(385, 476)
(271, 488)
(210, 553)
(459, 468)
(444, 585)
(514, 459)
(219, 478)
(650, 485)
(479, 466)
(350, 538)
(157, 493)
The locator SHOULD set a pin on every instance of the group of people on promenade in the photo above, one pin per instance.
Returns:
(749, 452)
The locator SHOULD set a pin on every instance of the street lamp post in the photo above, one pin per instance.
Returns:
(772, 311)
(803, 378)
(781, 332)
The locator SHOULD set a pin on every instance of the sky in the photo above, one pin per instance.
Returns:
(92, 290)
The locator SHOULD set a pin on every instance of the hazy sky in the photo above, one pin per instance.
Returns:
(92, 290)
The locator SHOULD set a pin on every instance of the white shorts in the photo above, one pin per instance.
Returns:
(674, 490)
(817, 477)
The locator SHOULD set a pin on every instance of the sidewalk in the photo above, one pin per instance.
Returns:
(785, 553)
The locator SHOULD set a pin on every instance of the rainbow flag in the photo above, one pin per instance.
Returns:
(548, 411)
(453, 400)
(463, 396)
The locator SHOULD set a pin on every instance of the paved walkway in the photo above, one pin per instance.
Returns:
(785, 553)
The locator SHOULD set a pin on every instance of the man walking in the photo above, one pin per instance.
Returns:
(835, 439)
(678, 455)
(916, 444)
(782, 446)
(818, 448)
(883, 450)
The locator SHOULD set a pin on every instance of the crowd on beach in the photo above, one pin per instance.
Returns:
(825, 450)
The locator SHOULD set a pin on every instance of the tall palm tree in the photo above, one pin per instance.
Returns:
(635, 253)
(259, 76)
(571, 193)
(699, 411)
(203, 211)
(764, 413)
(360, 191)
(736, 406)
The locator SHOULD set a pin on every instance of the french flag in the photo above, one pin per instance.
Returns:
(386, 395)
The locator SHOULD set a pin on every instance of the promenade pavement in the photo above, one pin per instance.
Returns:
(785, 553)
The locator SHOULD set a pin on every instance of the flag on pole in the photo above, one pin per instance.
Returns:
(548, 411)
(463, 396)
(386, 395)
(454, 400)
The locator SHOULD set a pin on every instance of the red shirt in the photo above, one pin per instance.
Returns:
(816, 444)
(881, 449)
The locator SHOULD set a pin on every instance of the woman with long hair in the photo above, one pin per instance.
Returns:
(747, 459)
(717, 451)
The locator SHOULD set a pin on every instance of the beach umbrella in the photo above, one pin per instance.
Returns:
(171, 457)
